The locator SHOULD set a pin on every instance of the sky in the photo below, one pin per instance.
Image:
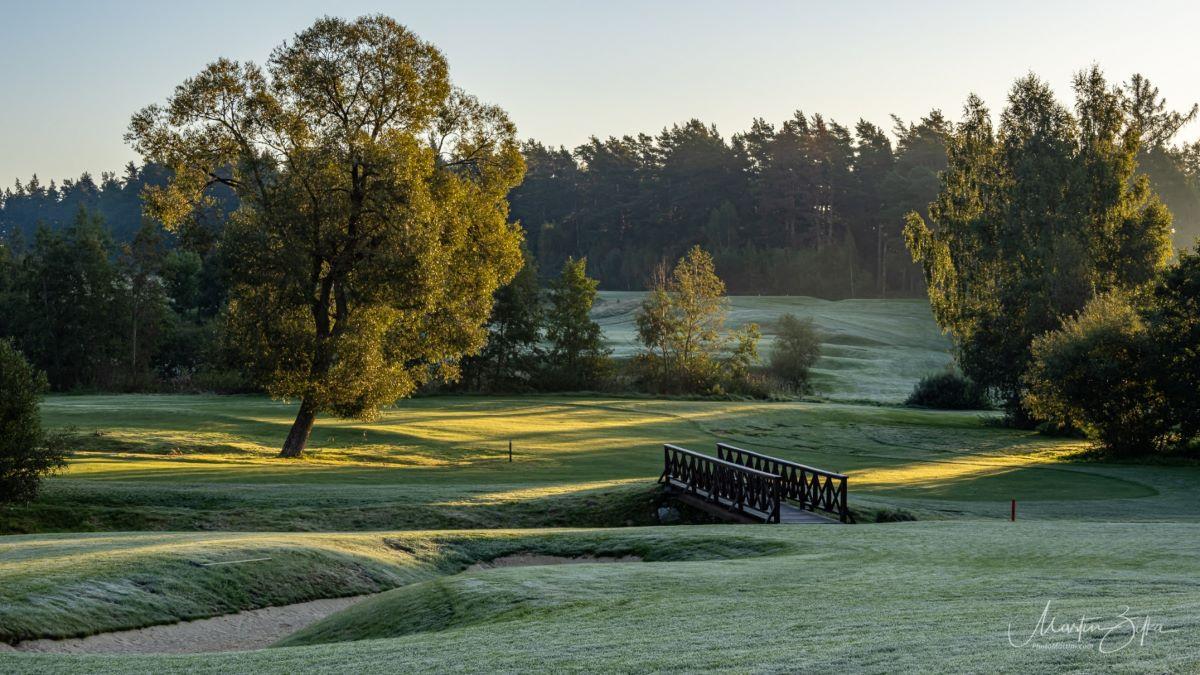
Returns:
(74, 72)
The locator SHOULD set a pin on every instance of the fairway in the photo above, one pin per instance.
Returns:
(871, 350)
(409, 501)
(186, 462)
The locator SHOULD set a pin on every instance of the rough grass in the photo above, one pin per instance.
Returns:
(912, 597)
(55, 586)
(872, 350)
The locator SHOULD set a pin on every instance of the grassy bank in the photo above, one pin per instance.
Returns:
(944, 596)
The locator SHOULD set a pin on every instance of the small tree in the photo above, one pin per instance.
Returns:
(1094, 373)
(796, 349)
(577, 357)
(680, 323)
(27, 454)
(948, 390)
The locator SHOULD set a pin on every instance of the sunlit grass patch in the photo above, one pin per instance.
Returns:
(428, 462)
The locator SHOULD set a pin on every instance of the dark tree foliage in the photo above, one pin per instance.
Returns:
(948, 391)
(809, 207)
(763, 202)
(576, 357)
(66, 299)
(1126, 370)
(1032, 221)
(96, 315)
(1174, 319)
(795, 351)
(511, 359)
(1096, 373)
(116, 199)
(806, 206)
(27, 453)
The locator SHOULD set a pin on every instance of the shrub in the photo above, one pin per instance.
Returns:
(26, 453)
(797, 348)
(1096, 373)
(949, 391)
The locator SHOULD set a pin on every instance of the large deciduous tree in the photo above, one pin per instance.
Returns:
(1033, 221)
(373, 226)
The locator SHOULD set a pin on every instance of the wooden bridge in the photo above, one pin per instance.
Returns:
(748, 487)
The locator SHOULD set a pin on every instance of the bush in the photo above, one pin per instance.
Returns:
(797, 348)
(26, 453)
(949, 391)
(1096, 373)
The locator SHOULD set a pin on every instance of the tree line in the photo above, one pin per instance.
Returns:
(808, 206)
(322, 251)
(1048, 258)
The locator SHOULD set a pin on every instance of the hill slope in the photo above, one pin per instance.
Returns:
(872, 350)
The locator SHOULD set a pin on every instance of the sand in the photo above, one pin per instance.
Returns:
(253, 629)
(532, 559)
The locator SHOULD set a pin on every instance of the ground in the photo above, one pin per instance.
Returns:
(175, 508)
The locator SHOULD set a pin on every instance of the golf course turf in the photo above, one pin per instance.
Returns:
(175, 508)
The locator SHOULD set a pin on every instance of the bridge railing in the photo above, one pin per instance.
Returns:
(813, 488)
(744, 489)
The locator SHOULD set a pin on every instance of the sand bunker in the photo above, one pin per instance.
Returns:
(531, 559)
(253, 629)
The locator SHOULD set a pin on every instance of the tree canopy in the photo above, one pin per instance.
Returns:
(27, 453)
(1033, 219)
(681, 324)
(372, 226)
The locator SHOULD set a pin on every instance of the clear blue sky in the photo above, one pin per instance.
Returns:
(73, 72)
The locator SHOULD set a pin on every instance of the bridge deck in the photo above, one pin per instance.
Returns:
(789, 514)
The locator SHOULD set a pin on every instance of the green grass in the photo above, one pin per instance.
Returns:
(59, 586)
(208, 463)
(936, 596)
(407, 502)
(872, 350)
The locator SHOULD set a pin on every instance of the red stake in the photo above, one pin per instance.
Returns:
(1014, 511)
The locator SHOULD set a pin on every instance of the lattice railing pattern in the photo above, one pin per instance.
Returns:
(814, 489)
(741, 488)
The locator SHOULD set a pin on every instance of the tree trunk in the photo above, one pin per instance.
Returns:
(297, 438)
